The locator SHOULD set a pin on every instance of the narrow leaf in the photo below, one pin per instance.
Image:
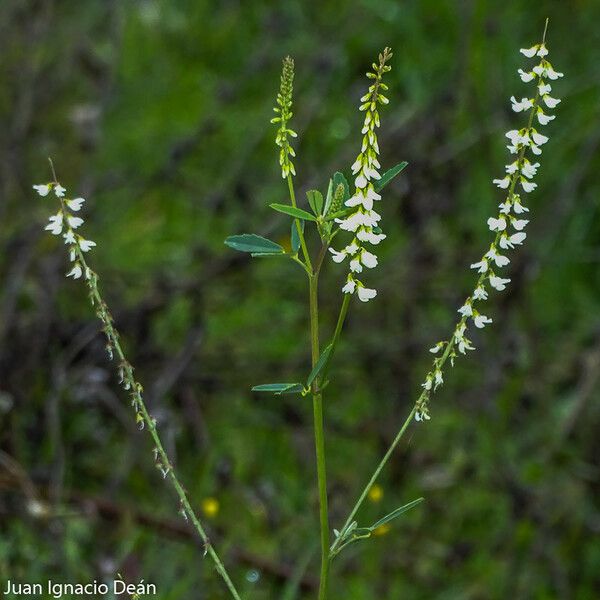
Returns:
(339, 213)
(315, 199)
(389, 175)
(329, 197)
(292, 211)
(279, 388)
(250, 242)
(319, 365)
(295, 238)
(396, 513)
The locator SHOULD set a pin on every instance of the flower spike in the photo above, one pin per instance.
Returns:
(284, 111)
(364, 221)
(507, 226)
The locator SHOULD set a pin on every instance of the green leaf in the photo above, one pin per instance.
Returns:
(279, 388)
(295, 238)
(292, 211)
(329, 197)
(315, 199)
(319, 365)
(396, 513)
(255, 244)
(339, 178)
(389, 175)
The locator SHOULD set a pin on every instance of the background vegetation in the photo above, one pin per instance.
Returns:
(158, 112)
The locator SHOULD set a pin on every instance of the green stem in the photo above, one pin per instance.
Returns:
(336, 334)
(298, 225)
(373, 479)
(142, 414)
(319, 439)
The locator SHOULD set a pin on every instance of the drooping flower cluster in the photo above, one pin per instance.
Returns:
(508, 225)
(363, 221)
(284, 110)
(64, 223)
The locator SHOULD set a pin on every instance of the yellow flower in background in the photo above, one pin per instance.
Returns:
(376, 493)
(382, 529)
(210, 507)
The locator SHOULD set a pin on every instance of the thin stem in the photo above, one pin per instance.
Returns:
(319, 439)
(336, 334)
(298, 226)
(374, 477)
(143, 418)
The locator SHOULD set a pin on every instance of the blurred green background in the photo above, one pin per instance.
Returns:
(158, 113)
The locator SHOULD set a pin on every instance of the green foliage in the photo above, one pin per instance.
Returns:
(389, 175)
(292, 211)
(256, 244)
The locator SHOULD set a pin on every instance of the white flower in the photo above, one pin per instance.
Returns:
(528, 186)
(529, 52)
(85, 245)
(516, 239)
(338, 257)
(479, 293)
(502, 183)
(466, 310)
(427, 384)
(75, 272)
(74, 222)
(366, 294)
(349, 287)
(529, 170)
(519, 224)
(481, 266)
(496, 224)
(551, 73)
(518, 207)
(505, 207)
(55, 224)
(361, 181)
(526, 77)
(355, 265)
(365, 235)
(42, 189)
(538, 138)
(69, 237)
(498, 283)
(550, 102)
(499, 259)
(439, 379)
(59, 190)
(544, 88)
(543, 51)
(75, 204)
(543, 118)
(435, 349)
(524, 104)
(480, 321)
(368, 259)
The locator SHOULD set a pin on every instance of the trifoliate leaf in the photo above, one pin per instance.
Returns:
(255, 244)
(389, 175)
(293, 211)
(315, 199)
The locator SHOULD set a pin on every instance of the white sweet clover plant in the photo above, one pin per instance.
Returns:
(339, 212)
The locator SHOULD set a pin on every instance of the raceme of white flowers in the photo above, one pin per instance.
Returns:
(64, 223)
(284, 110)
(364, 221)
(509, 224)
